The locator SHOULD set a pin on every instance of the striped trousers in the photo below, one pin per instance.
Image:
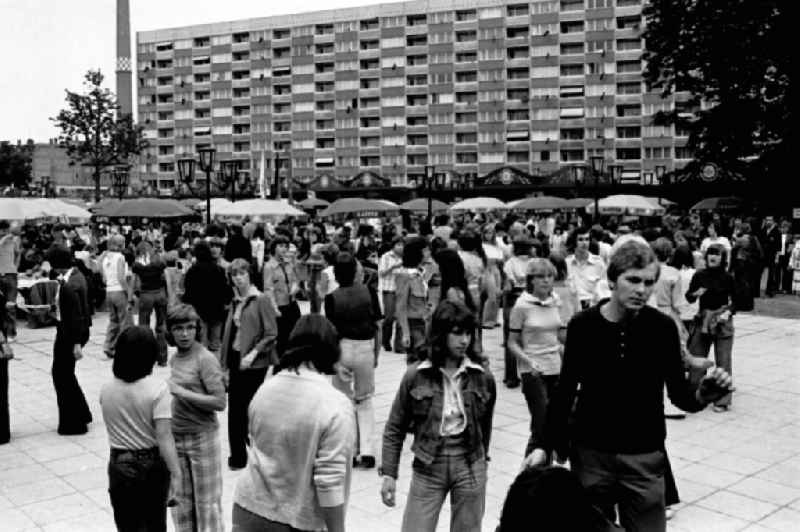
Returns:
(199, 507)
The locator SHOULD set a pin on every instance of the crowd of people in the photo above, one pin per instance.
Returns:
(619, 310)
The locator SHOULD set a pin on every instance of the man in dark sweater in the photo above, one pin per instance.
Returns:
(621, 353)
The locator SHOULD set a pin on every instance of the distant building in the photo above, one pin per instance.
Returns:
(51, 160)
(470, 86)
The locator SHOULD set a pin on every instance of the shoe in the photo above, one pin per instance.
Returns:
(670, 513)
(366, 462)
(386, 348)
(511, 384)
(720, 408)
(74, 431)
(235, 464)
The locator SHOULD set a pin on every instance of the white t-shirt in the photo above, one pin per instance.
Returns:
(130, 411)
(110, 265)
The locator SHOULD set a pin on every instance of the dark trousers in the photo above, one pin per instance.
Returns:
(389, 320)
(243, 386)
(246, 521)
(5, 425)
(671, 496)
(632, 482)
(537, 389)
(510, 375)
(138, 485)
(289, 315)
(8, 286)
(155, 301)
(73, 412)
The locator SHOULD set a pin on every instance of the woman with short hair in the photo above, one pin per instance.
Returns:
(143, 470)
(198, 392)
(302, 432)
(411, 299)
(151, 290)
(248, 350)
(448, 402)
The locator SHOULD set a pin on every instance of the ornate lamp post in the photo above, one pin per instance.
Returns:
(598, 169)
(186, 168)
(661, 170)
(119, 180)
(431, 183)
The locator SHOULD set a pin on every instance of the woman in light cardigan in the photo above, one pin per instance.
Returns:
(302, 431)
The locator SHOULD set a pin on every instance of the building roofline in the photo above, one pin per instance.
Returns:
(314, 17)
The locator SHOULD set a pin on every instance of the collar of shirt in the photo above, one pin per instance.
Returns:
(590, 259)
(466, 364)
(553, 300)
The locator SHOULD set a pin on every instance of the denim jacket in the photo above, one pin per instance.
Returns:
(418, 407)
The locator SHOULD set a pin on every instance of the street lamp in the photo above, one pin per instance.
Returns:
(186, 168)
(598, 168)
(119, 180)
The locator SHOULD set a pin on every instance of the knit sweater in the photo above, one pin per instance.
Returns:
(302, 432)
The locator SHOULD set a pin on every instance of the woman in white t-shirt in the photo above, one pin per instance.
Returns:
(143, 470)
(714, 238)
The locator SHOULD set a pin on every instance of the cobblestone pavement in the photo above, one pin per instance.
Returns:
(738, 470)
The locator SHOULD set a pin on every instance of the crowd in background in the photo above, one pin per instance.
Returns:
(226, 297)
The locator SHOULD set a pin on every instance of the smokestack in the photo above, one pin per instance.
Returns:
(124, 76)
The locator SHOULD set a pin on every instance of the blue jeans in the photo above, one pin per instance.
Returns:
(700, 344)
(430, 484)
(119, 319)
(155, 300)
(138, 484)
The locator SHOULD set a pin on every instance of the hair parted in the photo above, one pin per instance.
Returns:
(313, 340)
(135, 353)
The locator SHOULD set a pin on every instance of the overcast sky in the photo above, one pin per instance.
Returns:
(47, 46)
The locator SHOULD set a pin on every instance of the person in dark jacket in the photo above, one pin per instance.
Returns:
(151, 289)
(237, 246)
(448, 401)
(72, 333)
(206, 288)
(355, 312)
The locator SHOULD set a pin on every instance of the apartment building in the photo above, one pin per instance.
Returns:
(467, 86)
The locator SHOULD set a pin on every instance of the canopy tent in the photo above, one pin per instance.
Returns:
(24, 209)
(578, 203)
(627, 204)
(313, 203)
(145, 208)
(723, 203)
(359, 206)
(421, 205)
(478, 204)
(60, 209)
(257, 207)
(538, 203)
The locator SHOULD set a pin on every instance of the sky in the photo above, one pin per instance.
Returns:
(46, 46)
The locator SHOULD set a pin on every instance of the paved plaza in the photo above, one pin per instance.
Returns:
(735, 471)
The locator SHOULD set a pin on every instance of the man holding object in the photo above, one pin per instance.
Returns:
(622, 353)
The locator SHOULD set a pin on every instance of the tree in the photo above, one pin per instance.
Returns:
(733, 57)
(93, 132)
(16, 164)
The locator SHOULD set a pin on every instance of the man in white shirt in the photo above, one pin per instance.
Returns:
(389, 264)
(118, 294)
(587, 270)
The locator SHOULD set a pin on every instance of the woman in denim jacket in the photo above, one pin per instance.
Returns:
(448, 402)
(411, 299)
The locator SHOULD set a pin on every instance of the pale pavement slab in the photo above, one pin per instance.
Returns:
(735, 471)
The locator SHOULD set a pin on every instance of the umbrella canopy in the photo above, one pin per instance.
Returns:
(724, 203)
(421, 205)
(21, 209)
(539, 203)
(216, 204)
(578, 203)
(627, 204)
(258, 207)
(103, 205)
(478, 204)
(313, 203)
(361, 206)
(61, 209)
(146, 208)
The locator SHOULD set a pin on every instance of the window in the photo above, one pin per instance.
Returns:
(629, 110)
(416, 20)
(369, 83)
(417, 60)
(324, 68)
(417, 120)
(466, 118)
(629, 66)
(490, 12)
(370, 121)
(629, 87)
(631, 22)
(283, 33)
(658, 152)
(417, 140)
(571, 48)
(324, 124)
(629, 44)
(518, 94)
(683, 152)
(241, 110)
(416, 99)
(241, 56)
(416, 80)
(370, 102)
(517, 32)
(572, 5)
(283, 52)
(466, 158)
(466, 97)
(466, 36)
(628, 3)
(325, 105)
(369, 24)
(572, 70)
(416, 40)
(517, 10)
(369, 64)
(466, 138)
(629, 132)
(629, 153)
(518, 52)
(201, 42)
(575, 133)
(518, 73)
(466, 57)
(571, 91)
(371, 44)
(324, 48)
(466, 77)
(516, 157)
(518, 114)
(465, 15)
(570, 156)
(238, 92)
(572, 26)
(323, 86)
(324, 29)
(571, 112)
(518, 136)
(279, 90)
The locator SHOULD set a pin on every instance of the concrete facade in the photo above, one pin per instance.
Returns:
(465, 85)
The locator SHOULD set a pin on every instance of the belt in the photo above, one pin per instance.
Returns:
(122, 454)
